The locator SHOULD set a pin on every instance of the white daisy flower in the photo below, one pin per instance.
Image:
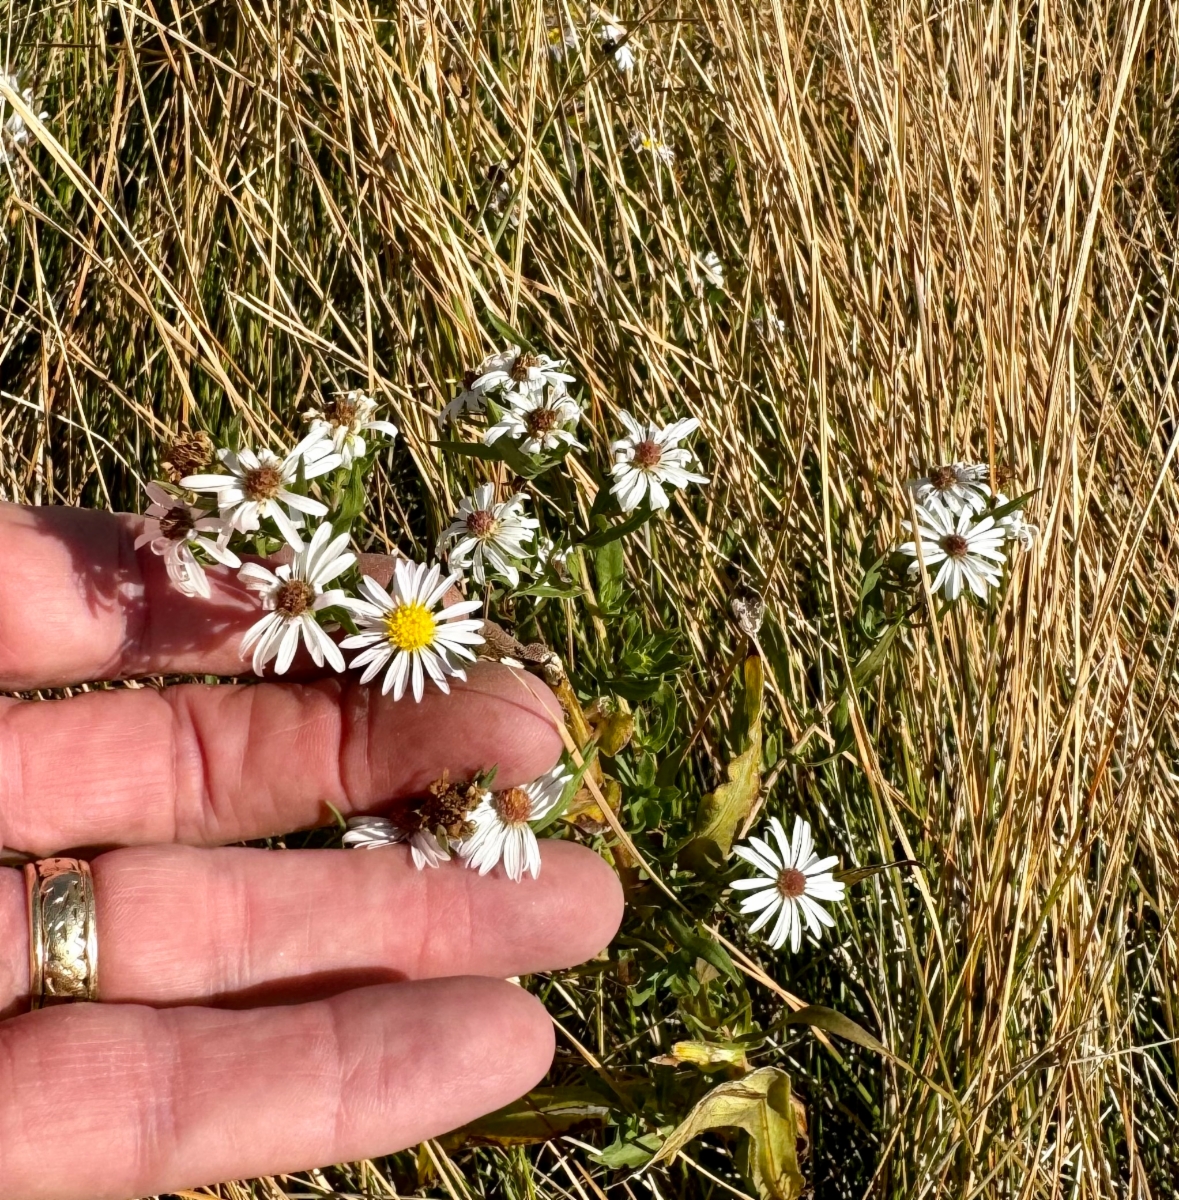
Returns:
(343, 421)
(402, 631)
(970, 552)
(1016, 528)
(646, 459)
(257, 486)
(13, 130)
(469, 400)
(520, 373)
(793, 881)
(173, 529)
(711, 269)
(954, 487)
(502, 829)
(370, 833)
(484, 533)
(641, 140)
(538, 420)
(292, 594)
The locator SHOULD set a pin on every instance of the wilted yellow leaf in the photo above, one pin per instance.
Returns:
(762, 1105)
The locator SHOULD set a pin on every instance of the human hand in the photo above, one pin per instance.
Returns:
(259, 1012)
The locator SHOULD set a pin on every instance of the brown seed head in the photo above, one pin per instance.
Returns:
(523, 364)
(955, 545)
(340, 410)
(263, 483)
(446, 807)
(647, 454)
(187, 454)
(514, 806)
(943, 478)
(482, 523)
(294, 597)
(176, 523)
(791, 883)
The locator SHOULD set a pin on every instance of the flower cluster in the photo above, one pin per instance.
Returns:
(963, 530)
(248, 508)
(483, 827)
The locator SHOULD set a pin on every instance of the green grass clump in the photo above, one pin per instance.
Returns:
(947, 233)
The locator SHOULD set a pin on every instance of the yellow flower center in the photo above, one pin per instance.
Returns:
(410, 627)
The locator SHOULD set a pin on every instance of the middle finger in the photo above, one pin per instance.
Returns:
(212, 764)
(177, 925)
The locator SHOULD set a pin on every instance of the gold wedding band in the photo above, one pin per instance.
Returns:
(63, 940)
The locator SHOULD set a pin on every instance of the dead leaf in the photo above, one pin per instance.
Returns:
(542, 1115)
(705, 1055)
(760, 1104)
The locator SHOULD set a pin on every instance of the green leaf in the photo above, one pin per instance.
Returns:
(541, 1116)
(612, 533)
(471, 450)
(700, 944)
(622, 1154)
(610, 570)
(830, 1021)
(872, 662)
(722, 813)
(1005, 510)
(760, 1104)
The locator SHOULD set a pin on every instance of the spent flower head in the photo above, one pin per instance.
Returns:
(342, 421)
(792, 881)
(953, 487)
(177, 531)
(404, 631)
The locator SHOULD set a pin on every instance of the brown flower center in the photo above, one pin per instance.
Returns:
(482, 523)
(469, 378)
(791, 883)
(943, 478)
(339, 410)
(176, 523)
(648, 454)
(523, 364)
(955, 545)
(294, 597)
(541, 420)
(514, 806)
(263, 483)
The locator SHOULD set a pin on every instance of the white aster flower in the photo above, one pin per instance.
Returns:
(174, 529)
(641, 140)
(769, 327)
(401, 630)
(1016, 528)
(469, 400)
(13, 130)
(292, 594)
(256, 486)
(484, 533)
(793, 880)
(502, 829)
(970, 551)
(538, 420)
(647, 458)
(343, 421)
(954, 487)
(370, 833)
(711, 269)
(520, 373)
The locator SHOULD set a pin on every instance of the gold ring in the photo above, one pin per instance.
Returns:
(63, 939)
